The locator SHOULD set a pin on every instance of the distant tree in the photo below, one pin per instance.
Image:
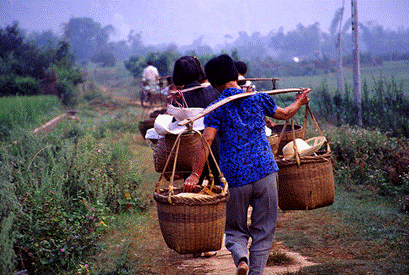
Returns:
(135, 65)
(336, 26)
(105, 59)
(235, 55)
(44, 40)
(164, 61)
(134, 40)
(304, 41)
(87, 37)
(120, 49)
(22, 58)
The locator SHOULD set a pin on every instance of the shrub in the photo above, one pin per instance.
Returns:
(371, 159)
(68, 78)
(9, 210)
(67, 191)
(19, 85)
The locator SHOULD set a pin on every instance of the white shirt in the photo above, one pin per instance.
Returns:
(248, 86)
(150, 73)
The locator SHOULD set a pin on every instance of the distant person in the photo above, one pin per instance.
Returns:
(247, 86)
(150, 78)
(150, 82)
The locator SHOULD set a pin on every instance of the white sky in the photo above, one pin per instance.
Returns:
(164, 21)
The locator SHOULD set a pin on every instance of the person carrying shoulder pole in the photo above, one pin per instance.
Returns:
(247, 162)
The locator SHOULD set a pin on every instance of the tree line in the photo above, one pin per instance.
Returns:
(30, 68)
(89, 41)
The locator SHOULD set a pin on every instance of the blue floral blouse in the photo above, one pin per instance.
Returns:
(245, 153)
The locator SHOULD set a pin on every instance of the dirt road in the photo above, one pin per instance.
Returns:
(222, 263)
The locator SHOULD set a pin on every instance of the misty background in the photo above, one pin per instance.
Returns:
(265, 33)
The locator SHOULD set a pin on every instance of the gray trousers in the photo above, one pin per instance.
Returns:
(262, 196)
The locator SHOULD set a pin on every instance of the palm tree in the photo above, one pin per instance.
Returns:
(336, 26)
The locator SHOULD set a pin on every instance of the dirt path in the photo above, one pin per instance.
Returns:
(222, 263)
(162, 258)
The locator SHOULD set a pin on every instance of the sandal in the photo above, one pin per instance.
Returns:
(210, 254)
(242, 269)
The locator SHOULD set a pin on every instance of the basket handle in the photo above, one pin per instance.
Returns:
(221, 176)
(175, 148)
(307, 108)
(307, 112)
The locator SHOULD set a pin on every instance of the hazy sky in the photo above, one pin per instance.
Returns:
(164, 21)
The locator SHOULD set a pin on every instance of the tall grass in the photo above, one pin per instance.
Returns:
(385, 106)
(22, 111)
(60, 192)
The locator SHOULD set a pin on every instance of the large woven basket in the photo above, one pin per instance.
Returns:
(286, 136)
(192, 225)
(186, 154)
(306, 186)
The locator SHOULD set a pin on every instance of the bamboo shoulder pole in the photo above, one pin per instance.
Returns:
(187, 90)
(258, 79)
(231, 98)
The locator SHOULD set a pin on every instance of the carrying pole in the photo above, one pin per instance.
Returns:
(231, 98)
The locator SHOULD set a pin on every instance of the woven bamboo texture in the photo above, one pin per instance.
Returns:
(159, 155)
(274, 141)
(191, 225)
(186, 157)
(307, 186)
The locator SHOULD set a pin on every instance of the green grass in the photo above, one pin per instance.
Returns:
(23, 111)
(398, 69)
(358, 233)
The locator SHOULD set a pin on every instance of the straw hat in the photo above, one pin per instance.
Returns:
(168, 123)
(304, 148)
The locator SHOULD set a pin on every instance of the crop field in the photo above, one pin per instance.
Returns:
(398, 70)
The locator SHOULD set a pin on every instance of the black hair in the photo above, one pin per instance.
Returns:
(241, 67)
(185, 71)
(220, 70)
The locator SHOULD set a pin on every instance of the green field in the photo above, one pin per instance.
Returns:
(398, 70)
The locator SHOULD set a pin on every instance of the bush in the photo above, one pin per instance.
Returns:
(68, 78)
(8, 213)
(19, 85)
(67, 191)
(370, 159)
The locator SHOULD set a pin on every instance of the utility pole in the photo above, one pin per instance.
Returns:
(356, 64)
(340, 77)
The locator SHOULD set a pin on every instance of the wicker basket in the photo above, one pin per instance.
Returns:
(306, 182)
(274, 141)
(185, 159)
(286, 137)
(306, 186)
(145, 125)
(190, 224)
(159, 155)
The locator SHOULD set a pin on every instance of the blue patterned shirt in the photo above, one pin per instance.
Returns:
(245, 153)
